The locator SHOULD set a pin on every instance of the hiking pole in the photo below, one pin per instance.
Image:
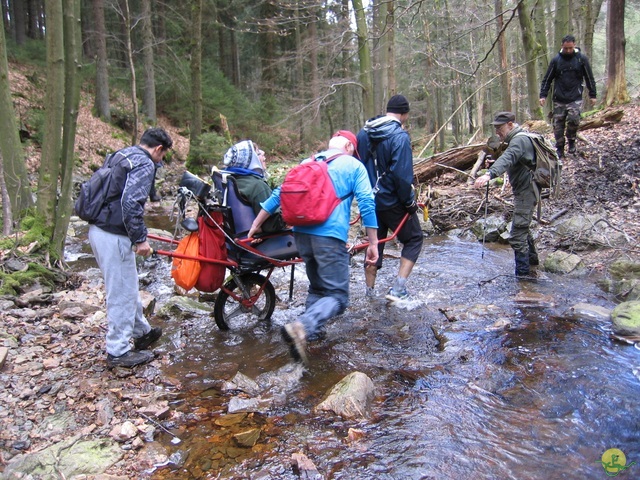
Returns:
(486, 208)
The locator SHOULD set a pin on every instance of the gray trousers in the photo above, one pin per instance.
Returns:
(124, 307)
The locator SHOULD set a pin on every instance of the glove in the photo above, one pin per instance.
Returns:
(411, 208)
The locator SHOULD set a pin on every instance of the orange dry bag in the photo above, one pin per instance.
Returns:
(185, 272)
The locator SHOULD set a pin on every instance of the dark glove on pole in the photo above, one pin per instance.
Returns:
(411, 208)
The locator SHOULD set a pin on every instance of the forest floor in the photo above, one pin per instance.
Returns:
(53, 362)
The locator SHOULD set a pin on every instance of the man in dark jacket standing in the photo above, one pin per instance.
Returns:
(385, 149)
(116, 237)
(567, 70)
(518, 160)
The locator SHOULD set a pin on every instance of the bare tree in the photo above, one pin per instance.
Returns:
(102, 104)
(616, 79)
(364, 54)
(14, 176)
(149, 96)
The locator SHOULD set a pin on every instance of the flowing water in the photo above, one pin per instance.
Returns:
(478, 376)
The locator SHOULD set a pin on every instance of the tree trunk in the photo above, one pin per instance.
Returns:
(19, 22)
(72, 60)
(126, 14)
(528, 42)
(7, 213)
(541, 52)
(15, 175)
(196, 78)
(616, 80)
(54, 107)
(149, 96)
(461, 159)
(505, 79)
(102, 104)
(392, 84)
(364, 55)
(561, 21)
(314, 45)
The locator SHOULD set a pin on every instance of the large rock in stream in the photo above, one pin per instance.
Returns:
(626, 319)
(351, 397)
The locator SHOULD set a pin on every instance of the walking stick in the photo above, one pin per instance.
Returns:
(484, 227)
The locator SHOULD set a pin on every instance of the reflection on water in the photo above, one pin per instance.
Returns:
(482, 376)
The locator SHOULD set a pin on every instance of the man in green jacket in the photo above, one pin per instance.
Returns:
(518, 160)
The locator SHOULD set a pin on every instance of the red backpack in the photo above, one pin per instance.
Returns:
(307, 195)
(212, 245)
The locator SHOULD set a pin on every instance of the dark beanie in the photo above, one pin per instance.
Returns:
(398, 104)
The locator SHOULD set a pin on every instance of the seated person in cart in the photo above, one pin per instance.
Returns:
(246, 162)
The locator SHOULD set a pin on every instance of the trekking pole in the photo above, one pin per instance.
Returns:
(486, 208)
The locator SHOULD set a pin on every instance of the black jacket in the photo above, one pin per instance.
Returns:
(568, 71)
(128, 192)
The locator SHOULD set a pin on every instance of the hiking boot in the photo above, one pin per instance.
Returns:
(147, 339)
(534, 260)
(154, 197)
(560, 151)
(397, 295)
(129, 359)
(294, 335)
(522, 264)
(572, 147)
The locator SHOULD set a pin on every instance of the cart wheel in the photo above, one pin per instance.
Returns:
(229, 312)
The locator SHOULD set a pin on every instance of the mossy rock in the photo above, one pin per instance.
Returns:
(626, 318)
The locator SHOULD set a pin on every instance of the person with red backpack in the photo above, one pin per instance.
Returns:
(322, 246)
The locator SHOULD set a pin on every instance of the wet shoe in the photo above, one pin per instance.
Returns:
(371, 292)
(130, 359)
(397, 295)
(294, 335)
(147, 339)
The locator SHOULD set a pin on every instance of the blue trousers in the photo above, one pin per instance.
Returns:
(327, 263)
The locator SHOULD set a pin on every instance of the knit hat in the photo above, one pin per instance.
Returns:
(349, 136)
(398, 104)
(243, 155)
(504, 117)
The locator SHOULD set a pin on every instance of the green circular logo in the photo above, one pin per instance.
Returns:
(614, 461)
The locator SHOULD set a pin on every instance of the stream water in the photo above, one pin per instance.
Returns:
(479, 376)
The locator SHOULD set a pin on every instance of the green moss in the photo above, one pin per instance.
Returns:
(15, 282)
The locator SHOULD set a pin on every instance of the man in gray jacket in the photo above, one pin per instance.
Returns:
(518, 160)
(116, 237)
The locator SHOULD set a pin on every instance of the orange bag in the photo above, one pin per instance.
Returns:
(186, 272)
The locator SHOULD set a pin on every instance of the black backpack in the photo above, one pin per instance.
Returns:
(94, 193)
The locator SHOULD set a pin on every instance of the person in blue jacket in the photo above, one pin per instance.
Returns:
(384, 147)
(323, 247)
(567, 70)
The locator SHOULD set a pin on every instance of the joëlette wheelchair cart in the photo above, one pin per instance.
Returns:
(224, 216)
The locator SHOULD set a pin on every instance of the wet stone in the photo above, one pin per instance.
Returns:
(248, 438)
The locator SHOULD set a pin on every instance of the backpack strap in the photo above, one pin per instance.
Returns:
(327, 160)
